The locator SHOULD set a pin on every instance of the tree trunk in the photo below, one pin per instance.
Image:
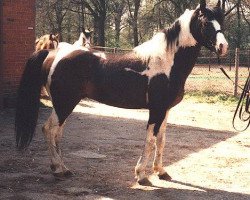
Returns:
(101, 32)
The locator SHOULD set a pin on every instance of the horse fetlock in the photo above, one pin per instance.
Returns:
(56, 168)
(139, 172)
(159, 169)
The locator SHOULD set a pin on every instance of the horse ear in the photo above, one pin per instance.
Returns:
(37, 40)
(57, 36)
(218, 4)
(203, 5)
(50, 36)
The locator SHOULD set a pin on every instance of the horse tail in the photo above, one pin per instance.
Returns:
(28, 99)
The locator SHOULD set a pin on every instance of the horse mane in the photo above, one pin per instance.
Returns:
(152, 48)
(169, 39)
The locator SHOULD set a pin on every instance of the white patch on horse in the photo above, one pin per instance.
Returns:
(155, 50)
(186, 38)
(160, 144)
(220, 38)
(100, 54)
(64, 49)
(53, 134)
(161, 58)
(79, 42)
(150, 144)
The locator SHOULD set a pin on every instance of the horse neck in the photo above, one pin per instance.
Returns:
(79, 41)
(184, 62)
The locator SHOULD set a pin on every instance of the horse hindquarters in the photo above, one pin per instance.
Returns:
(28, 97)
(67, 88)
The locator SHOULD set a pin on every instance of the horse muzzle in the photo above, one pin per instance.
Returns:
(221, 46)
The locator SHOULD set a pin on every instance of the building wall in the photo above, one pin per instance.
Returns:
(17, 44)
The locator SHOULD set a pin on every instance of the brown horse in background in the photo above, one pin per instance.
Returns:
(48, 41)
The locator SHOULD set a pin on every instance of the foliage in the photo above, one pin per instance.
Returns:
(127, 23)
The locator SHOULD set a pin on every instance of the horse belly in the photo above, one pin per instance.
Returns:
(124, 89)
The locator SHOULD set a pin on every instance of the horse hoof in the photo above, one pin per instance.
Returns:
(53, 168)
(145, 182)
(164, 176)
(59, 176)
(68, 174)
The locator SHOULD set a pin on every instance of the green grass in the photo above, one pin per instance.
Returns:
(211, 97)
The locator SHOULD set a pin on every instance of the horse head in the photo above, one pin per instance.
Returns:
(207, 27)
(49, 41)
(53, 41)
(86, 37)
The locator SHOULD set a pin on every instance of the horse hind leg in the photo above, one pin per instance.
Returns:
(53, 134)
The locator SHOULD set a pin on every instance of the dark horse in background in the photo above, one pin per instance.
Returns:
(151, 76)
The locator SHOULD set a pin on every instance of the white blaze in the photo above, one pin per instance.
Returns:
(220, 38)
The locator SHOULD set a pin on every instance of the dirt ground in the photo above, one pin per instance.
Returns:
(206, 158)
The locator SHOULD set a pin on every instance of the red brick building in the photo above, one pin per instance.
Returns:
(17, 36)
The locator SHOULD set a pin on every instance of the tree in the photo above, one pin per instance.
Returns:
(122, 20)
(133, 8)
(117, 9)
(98, 9)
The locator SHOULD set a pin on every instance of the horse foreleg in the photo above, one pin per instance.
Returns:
(160, 144)
(53, 133)
(143, 160)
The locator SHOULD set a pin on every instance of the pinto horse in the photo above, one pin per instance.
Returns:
(84, 38)
(48, 41)
(151, 76)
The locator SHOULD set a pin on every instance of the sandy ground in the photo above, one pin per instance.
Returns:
(206, 158)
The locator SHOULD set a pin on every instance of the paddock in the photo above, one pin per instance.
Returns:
(205, 156)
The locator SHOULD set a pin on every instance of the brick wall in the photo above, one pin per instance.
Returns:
(17, 43)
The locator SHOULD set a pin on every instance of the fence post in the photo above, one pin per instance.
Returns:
(209, 62)
(237, 62)
(230, 60)
(248, 66)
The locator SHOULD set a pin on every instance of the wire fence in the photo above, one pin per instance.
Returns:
(207, 76)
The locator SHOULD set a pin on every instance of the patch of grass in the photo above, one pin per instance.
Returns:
(211, 97)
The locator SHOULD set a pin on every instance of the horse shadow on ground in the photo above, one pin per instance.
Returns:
(26, 175)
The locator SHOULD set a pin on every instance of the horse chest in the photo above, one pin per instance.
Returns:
(164, 93)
